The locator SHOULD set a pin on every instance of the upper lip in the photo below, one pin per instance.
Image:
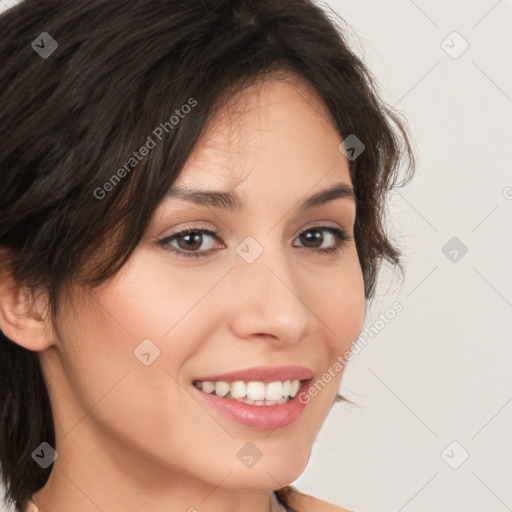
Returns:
(262, 374)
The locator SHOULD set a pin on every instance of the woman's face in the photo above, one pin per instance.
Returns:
(258, 293)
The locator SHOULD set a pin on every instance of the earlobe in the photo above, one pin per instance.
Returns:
(22, 318)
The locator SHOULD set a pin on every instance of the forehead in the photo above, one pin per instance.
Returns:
(278, 127)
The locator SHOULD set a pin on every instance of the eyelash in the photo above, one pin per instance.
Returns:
(342, 238)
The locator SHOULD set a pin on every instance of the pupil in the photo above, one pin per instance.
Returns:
(189, 239)
(312, 236)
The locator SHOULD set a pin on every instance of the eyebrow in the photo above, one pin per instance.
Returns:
(232, 202)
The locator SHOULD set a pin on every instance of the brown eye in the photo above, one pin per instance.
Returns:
(191, 241)
(313, 238)
(188, 242)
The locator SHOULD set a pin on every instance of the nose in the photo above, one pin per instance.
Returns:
(268, 299)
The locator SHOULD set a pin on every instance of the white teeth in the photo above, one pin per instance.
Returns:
(208, 387)
(254, 392)
(262, 402)
(238, 389)
(221, 389)
(274, 391)
(286, 387)
(295, 385)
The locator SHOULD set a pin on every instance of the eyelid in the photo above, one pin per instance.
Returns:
(343, 237)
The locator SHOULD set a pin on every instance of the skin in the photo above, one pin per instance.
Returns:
(132, 437)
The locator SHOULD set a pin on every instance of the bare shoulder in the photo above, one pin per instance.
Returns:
(306, 503)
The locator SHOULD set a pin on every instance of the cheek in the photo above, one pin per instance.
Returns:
(104, 377)
(149, 300)
(338, 297)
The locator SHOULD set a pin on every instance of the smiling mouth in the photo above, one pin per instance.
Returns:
(252, 392)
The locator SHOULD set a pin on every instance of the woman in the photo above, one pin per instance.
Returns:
(191, 221)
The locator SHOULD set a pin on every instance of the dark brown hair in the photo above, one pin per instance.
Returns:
(70, 119)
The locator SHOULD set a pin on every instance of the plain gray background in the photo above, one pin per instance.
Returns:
(434, 386)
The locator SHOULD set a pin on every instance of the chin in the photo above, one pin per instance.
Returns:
(268, 473)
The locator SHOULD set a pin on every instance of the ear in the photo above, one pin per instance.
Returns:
(24, 318)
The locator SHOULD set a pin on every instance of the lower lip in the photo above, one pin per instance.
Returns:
(267, 417)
